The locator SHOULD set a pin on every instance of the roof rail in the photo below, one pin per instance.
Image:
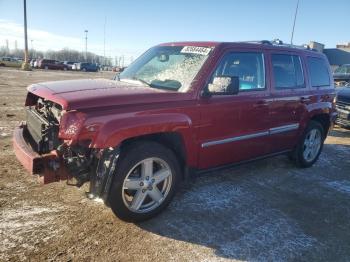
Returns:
(278, 42)
(264, 42)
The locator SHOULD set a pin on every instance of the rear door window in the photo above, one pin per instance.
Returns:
(319, 74)
(287, 71)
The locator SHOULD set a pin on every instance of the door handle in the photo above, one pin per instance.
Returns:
(261, 103)
(304, 99)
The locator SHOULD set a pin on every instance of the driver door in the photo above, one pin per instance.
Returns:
(235, 128)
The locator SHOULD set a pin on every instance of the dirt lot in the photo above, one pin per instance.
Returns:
(266, 211)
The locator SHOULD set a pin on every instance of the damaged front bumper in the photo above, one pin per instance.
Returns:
(98, 166)
(48, 167)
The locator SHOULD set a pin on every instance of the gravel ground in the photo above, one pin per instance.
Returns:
(265, 211)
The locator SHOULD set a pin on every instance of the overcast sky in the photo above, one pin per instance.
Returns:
(133, 26)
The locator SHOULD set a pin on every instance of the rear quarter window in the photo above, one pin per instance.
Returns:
(318, 70)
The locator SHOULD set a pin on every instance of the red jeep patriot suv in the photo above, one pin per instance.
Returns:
(179, 108)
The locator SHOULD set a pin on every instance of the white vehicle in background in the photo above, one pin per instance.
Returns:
(75, 66)
(69, 64)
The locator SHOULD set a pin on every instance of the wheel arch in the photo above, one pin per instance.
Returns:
(171, 140)
(324, 120)
(172, 130)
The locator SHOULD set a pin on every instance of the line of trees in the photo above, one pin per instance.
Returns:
(65, 54)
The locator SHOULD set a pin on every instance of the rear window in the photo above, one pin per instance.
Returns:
(287, 71)
(319, 74)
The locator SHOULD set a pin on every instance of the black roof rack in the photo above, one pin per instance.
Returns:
(277, 42)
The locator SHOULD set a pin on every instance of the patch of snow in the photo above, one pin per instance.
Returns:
(218, 196)
(342, 149)
(340, 186)
(279, 240)
(19, 228)
(238, 223)
(3, 134)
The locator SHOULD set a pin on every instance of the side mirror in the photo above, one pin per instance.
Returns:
(163, 58)
(224, 85)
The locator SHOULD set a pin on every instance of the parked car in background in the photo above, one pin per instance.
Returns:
(32, 63)
(10, 62)
(75, 66)
(343, 107)
(52, 64)
(179, 110)
(342, 75)
(87, 67)
(36, 61)
(69, 64)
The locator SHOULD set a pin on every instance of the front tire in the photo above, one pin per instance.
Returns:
(145, 181)
(310, 146)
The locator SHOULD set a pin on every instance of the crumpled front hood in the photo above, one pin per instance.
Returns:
(90, 93)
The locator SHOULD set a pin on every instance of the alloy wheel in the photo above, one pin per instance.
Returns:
(147, 185)
(312, 145)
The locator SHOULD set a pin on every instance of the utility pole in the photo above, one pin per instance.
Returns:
(86, 32)
(32, 48)
(295, 18)
(7, 47)
(25, 65)
(104, 42)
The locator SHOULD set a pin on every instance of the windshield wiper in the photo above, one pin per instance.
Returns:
(146, 83)
(142, 81)
(138, 80)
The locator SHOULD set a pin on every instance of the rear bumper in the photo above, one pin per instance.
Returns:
(49, 167)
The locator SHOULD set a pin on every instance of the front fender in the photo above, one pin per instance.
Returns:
(117, 130)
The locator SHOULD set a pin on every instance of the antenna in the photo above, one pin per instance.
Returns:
(295, 18)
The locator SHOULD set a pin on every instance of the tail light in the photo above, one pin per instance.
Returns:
(71, 124)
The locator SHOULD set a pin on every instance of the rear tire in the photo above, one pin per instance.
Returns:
(310, 146)
(145, 181)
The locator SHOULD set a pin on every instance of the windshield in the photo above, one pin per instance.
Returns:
(167, 67)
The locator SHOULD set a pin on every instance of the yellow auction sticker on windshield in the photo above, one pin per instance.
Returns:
(196, 50)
